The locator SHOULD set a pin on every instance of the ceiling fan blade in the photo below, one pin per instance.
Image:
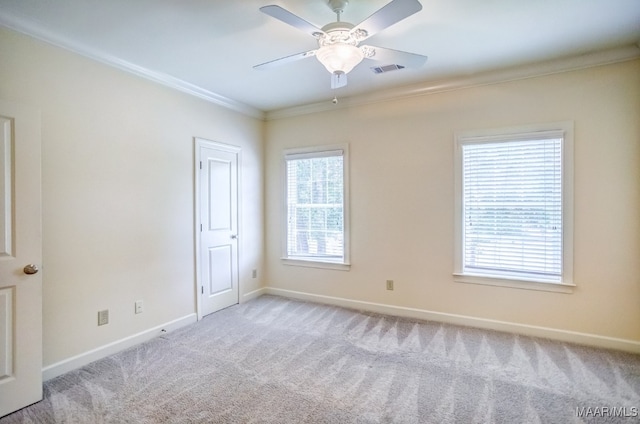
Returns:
(284, 60)
(338, 79)
(289, 18)
(396, 57)
(393, 12)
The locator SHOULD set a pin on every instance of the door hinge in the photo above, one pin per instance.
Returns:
(201, 289)
(200, 227)
(200, 164)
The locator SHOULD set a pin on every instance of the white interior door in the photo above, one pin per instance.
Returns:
(217, 178)
(20, 257)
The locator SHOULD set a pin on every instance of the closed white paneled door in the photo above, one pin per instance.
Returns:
(20, 258)
(217, 229)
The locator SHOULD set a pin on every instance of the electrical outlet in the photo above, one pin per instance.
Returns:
(254, 273)
(103, 317)
(139, 307)
(389, 284)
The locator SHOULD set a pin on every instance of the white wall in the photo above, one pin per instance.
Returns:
(402, 200)
(118, 193)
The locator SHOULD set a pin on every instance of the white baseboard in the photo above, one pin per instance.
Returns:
(488, 324)
(83, 359)
(253, 294)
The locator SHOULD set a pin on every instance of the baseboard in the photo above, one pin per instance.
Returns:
(83, 359)
(253, 294)
(488, 324)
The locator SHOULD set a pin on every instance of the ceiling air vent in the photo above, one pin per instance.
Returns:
(386, 68)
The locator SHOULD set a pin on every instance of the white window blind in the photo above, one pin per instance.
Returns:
(512, 207)
(315, 206)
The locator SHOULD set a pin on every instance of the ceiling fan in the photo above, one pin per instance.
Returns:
(339, 48)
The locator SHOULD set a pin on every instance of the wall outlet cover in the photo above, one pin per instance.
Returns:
(103, 317)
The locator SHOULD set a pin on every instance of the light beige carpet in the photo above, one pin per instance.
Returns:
(276, 360)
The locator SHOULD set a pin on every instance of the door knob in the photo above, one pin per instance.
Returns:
(234, 236)
(30, 269)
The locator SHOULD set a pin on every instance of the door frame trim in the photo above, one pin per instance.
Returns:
(199, 142)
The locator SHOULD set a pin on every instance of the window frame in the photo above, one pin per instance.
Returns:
(565, 129)
(311, 152)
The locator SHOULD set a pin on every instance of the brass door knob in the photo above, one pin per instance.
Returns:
(30, 269)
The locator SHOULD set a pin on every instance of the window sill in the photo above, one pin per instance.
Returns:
(316, 264)
(514, 284)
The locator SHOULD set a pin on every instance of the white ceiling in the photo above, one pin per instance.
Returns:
(209, 47)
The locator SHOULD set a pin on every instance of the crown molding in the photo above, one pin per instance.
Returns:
(26, 27)
(589, 60)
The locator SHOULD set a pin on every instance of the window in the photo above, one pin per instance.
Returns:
(514, 208)
(316, 207)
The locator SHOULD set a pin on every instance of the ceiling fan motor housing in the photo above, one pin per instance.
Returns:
(337, 31)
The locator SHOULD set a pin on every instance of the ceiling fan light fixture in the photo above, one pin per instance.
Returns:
(339, 57)
(338, 42)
